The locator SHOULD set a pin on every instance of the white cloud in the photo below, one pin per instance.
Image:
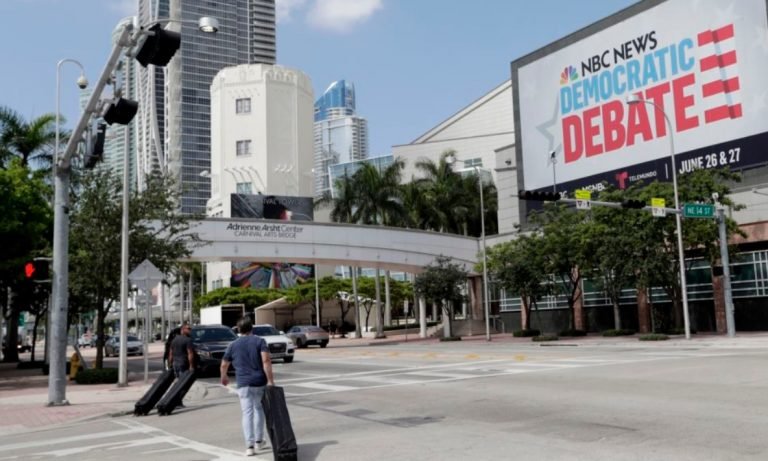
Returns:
(341, 15)
(286, 8)
(124, 7)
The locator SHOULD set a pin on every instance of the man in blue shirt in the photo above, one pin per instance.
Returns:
(253, 372)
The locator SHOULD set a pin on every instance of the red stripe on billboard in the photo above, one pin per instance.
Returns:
(721, 112)
(718, 60)
(720, 86)
(717, 35)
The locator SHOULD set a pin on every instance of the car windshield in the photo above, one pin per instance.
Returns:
(127, 338)
(206, 335)
(265, 331)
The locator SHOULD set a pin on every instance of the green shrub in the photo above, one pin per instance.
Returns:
(621, 332)
(30, 365)
(525, 333)
(679, 331)
(573, 333)
(47, 368)
(542, 338)
(410, 325)
(97, 376)
(653, 337)
(451, 338)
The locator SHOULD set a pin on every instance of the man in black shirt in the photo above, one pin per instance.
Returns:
(182, 353)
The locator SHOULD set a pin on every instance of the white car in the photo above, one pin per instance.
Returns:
(133, 346)
(280, 346)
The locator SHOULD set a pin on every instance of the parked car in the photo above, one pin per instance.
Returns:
(304, 335)
(210, 343)
(134, 346)
(86, 340)
(280, 346)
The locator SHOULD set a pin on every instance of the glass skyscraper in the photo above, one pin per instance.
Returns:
(176, 133)
(340, 135)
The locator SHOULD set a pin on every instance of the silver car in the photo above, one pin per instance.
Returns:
(304, 335)
(133, 346)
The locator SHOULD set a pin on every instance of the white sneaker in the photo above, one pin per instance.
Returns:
(250, 452)
(261, 445)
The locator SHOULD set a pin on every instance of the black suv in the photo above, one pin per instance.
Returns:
(210, 342)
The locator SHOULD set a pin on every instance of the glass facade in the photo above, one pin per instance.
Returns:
(340, 135)
(339, 170)
(246, 35)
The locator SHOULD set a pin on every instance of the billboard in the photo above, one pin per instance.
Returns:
(697, 66)
(277, 274)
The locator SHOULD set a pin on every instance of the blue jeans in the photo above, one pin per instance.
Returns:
(253, 413)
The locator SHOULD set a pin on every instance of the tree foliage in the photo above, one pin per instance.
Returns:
(442, 283)
(157, 232)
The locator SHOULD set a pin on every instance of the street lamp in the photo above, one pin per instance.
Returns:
(129, 38)
(451, 159)
(635, 99)
(58, 322)
(205, 24)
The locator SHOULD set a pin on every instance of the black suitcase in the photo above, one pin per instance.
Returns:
(173, 397)
(154, 394)
(279, 425)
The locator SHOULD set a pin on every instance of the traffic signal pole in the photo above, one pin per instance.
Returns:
(63, 168)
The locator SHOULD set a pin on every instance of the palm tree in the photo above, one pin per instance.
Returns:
(378, 194)
(343, 204)
(28, 140)
(448, 207)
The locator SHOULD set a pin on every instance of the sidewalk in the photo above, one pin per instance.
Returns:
(24, 396)
(24, 393)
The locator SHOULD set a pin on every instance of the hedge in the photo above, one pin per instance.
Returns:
(97, 376)
(542, 338)
(621, 332)
(653, 337)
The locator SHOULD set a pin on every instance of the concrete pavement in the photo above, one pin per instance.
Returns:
(24, 392)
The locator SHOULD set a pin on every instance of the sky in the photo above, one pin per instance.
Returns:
(414, 63)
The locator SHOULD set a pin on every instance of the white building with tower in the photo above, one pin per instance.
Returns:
(261, 140)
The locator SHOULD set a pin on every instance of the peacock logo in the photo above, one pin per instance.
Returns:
(568, 74)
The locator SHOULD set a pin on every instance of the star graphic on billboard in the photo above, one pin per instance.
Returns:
(548, 129)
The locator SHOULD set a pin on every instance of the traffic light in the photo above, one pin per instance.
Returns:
(543, 196)
(36, 270)
(159, 47)
(121, 112)
(96, 153)
(632, 203)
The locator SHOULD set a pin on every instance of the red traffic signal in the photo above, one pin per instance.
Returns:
(36, 270)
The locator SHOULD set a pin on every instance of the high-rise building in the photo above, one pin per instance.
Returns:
(174, 131)
(340, 135)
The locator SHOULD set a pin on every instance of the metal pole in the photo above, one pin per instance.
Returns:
(147, 327)
(485, 264)
(317, 298)
(379, 311)
(122, 373)
(553, 157)
(62, 168)
(724, 260)
(678, 220)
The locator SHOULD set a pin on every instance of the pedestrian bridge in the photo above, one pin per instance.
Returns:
(261, 240)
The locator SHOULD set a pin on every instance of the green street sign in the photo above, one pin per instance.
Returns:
(698, 210)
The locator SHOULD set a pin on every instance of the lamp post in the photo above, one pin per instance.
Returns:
(451, 160)
(635, 99)
(58, 334)
(129, 38)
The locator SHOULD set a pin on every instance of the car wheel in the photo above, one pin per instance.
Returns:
(288, 359)
(299, 343)
(323, 344)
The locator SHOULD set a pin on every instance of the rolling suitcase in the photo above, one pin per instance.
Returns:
(173, 397)
(279, 425)
(147, 402)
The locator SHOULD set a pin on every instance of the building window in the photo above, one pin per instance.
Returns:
(217, 284)
(244, 188)
(473, 162)
(243, 105)
(244, 147)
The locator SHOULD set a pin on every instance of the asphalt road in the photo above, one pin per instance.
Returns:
(476, 401)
